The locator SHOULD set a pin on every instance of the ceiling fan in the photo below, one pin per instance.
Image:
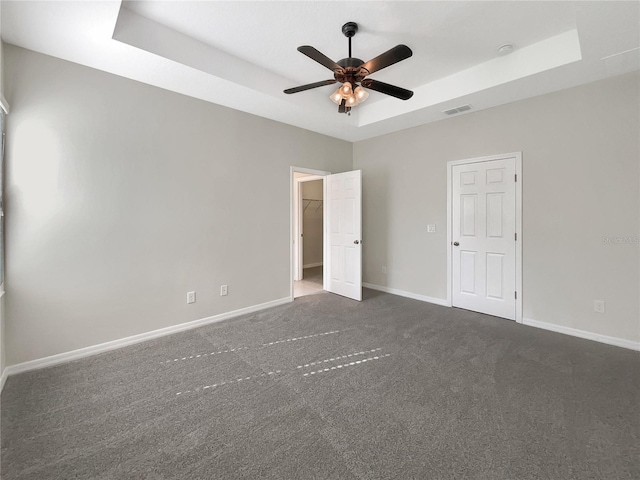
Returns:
(351, 72)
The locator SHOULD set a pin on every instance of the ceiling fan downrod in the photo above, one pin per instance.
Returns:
(349, 29)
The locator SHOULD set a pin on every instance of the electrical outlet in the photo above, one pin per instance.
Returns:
(598, 306)
(224, 290)
(191, 297)
(384, 270)
(431, 228)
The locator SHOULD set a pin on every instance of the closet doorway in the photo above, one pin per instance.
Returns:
(308, 235)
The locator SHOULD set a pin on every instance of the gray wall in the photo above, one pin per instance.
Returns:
(121, 197)
(3, 350)
(312, 222)
(581, 157)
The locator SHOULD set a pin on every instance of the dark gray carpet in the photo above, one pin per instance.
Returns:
(443, 394)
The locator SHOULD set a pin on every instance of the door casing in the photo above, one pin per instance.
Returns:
(517, 157)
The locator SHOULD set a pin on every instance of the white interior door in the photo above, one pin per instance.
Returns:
(343, 255)
(484, 237)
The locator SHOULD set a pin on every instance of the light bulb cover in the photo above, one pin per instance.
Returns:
(336, 97)
(361, 94)
(352, 101)
(346, 90)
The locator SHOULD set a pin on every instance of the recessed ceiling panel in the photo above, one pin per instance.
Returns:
(243, 54)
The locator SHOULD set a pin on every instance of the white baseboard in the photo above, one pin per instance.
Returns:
(3, 378)
(402, 293)
(618, 342)
(142, 337)
(311, 265)
(574, 332)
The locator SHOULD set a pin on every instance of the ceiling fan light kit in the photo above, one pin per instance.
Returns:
(361, 94)
(346, 90)
(351, 73)
(336, 97)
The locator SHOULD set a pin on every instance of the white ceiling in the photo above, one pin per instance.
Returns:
(242, 54)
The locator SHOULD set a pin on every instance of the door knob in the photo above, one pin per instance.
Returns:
(455, 244)
(356, 242)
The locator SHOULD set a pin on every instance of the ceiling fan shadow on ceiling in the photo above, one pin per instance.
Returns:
(352, 72)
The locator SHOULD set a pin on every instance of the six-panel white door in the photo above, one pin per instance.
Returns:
(484, 252)
(344, 251)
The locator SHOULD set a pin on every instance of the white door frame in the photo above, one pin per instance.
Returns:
(518, 160)
(294, 209)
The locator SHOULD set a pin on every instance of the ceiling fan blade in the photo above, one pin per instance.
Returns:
(398, 92)
(319, 57)
(309, 86)
(396, 54)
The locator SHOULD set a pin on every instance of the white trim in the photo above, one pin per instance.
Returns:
(517, 156)
(4, 104)
(484, 159)
(310, 178)
(298, 252)
(123, 342)
(518, 159)
(311, 265)
(325, 235)
(449, 235)
(3, 378)
(292, 196)
(402, 293)
(574, 332)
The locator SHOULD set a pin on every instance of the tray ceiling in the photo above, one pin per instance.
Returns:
(242, 54)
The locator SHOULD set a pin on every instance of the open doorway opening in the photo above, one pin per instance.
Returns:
(308, 214)
(308, 277)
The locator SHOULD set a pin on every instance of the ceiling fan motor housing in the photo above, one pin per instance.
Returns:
(350, 62)
(351, 72)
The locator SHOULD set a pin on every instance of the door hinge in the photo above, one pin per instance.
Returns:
(516, 177)
(515, 237)
(516, 295)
